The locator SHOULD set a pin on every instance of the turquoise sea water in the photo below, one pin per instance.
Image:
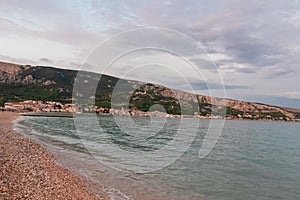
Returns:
(252, 159)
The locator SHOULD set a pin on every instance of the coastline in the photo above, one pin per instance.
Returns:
(95, 179)
(71, 115)
(100, 179)
(28, 170)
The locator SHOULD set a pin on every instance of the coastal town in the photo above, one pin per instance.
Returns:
(58, 107)
(49, 108)
(38, 106)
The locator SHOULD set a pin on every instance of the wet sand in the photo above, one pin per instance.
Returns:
(28, 171)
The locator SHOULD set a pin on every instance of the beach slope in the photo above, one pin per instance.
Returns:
(28, 171)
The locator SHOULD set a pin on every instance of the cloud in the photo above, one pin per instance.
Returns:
(283, 101)
(252, 33)
(293, 95)
(245, 70)
(52, 20)
(273, 72)
(237, 67)
(15, 60)
(46, 60)
(202, 85)
(251, 42)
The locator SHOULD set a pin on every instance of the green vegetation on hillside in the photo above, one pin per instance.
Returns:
(53, 84)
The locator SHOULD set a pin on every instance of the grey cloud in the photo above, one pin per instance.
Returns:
(233, 87)
(29, 6)
(17, 60)
(232, 66)
(252, 33)
(261, 35)
(274, 100)
(247, 50)
(4, 21)
(46, 60)
(49, 20)
(204, 85)
(274, 72)
(203, 64)
(245, 70)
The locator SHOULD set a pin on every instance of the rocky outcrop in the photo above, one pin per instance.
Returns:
(9, 72)
(13, 74)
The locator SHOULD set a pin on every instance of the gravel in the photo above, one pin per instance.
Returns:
(28, 171)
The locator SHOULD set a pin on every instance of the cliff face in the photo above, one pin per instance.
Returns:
(22, 82)
(9, 72)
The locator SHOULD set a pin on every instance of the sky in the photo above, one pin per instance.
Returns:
(252, 47)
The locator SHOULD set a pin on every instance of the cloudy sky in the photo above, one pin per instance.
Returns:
(254, 46)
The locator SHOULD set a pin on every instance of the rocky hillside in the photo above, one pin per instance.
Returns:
(23, 82)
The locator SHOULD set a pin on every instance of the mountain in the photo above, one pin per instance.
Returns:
(23, 82)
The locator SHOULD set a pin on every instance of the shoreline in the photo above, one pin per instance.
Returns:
(28, 170)
(100, 179)
(71, 115)
(104, 184)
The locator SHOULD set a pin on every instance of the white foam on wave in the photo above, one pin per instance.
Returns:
(115, 194)
(18, 127)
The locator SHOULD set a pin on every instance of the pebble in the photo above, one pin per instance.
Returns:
(28, 171)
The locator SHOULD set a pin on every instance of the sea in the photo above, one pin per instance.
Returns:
(130, 158)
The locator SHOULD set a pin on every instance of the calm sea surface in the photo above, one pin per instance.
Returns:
(252, 159)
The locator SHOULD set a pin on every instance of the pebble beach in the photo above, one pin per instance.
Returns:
(28, 171)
